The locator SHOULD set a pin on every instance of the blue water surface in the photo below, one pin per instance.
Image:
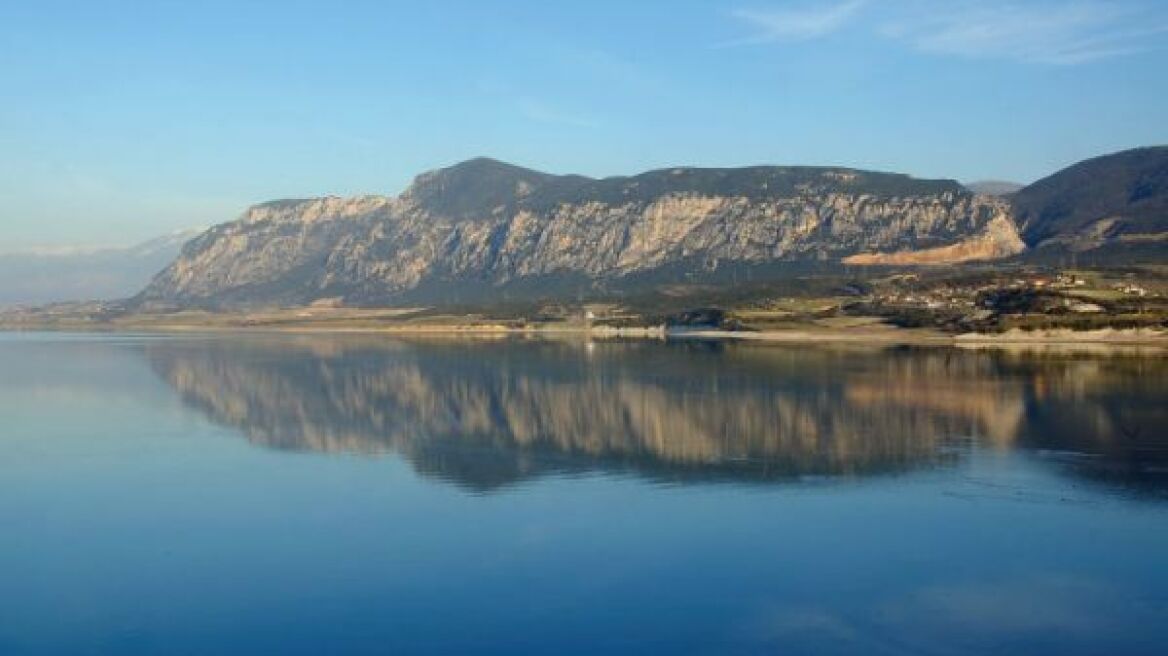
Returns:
(333, 495)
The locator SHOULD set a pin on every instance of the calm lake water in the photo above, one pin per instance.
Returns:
(318, 495)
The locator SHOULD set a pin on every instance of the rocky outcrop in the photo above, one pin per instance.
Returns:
(999, 239)
(487, 226)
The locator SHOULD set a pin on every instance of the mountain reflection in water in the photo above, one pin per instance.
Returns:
(488, 414)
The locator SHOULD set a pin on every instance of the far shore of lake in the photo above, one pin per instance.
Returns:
(873, 333)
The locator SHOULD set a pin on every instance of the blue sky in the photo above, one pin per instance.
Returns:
(121, 121)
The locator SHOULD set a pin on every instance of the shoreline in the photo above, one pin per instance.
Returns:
(882, 336)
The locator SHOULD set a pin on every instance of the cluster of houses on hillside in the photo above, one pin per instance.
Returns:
(1062, 292)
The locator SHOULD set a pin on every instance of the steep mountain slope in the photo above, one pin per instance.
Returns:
(484, 227)
(33, 277)
(1116, 202)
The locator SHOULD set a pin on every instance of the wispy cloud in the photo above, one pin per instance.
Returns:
(1058, 33)
(1051, 32)
(795, 23)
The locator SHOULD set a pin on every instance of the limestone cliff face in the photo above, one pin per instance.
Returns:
(487, 225)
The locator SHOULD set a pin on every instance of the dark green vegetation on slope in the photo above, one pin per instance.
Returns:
(1116, 202)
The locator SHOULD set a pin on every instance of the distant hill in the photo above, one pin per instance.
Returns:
(1116, 204)
(993, 187)
(38, 276)
(485, 230)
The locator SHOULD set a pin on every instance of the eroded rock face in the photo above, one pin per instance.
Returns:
(267, 248)
(999, 238)
(491, 224)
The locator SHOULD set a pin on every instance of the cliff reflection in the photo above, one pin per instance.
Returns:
(485, 415)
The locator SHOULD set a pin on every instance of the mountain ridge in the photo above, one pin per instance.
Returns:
(485, 227)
